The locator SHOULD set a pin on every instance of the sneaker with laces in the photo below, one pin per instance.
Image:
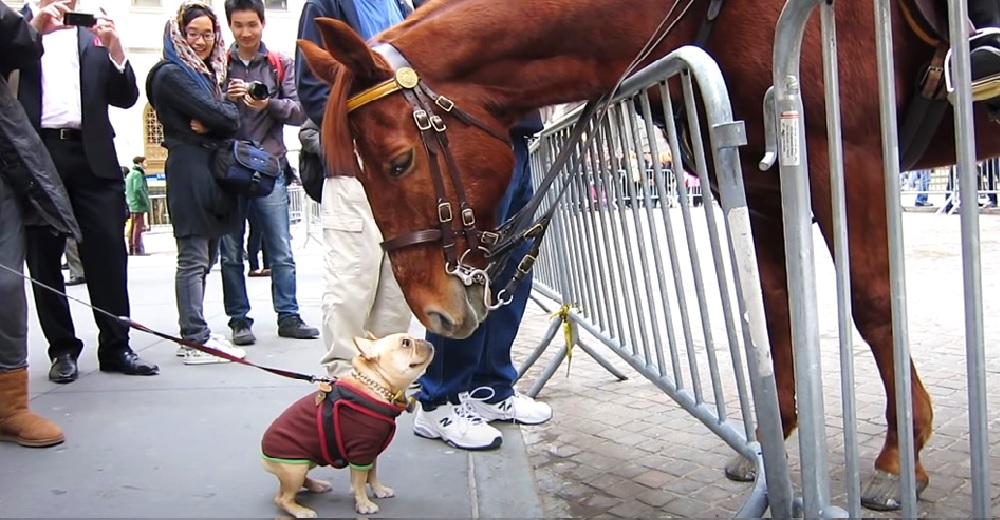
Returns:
(458, 426)
(218, 342)
(517, 408)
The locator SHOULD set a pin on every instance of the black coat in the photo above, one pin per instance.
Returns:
(101, 86)
(25, 164)
(198, 206)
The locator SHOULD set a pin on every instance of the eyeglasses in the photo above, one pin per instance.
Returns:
(208, 37)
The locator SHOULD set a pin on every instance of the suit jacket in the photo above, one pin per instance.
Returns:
(101, 85)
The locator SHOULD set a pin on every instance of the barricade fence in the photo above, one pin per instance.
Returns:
(670, 287)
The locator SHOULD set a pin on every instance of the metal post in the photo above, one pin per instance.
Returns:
(797, 217)
(897, 265)
(965, 142)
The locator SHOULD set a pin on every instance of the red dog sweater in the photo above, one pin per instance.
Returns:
(346, 427)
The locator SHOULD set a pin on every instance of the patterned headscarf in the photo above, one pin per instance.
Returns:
(177, 50)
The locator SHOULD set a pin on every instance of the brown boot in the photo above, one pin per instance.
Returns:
(17, 423)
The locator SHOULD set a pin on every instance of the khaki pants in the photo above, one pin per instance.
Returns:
(360, 293)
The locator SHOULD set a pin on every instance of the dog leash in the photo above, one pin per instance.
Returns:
(180, 341)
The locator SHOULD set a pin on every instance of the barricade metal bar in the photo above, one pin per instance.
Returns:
(841, 260)
(897, 262)
(965, 142)
(799, 256)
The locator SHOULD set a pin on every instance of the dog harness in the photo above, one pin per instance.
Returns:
(342, 428)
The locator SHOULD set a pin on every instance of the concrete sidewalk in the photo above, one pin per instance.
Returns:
(186, 443)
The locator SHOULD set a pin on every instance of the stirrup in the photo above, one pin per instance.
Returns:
(983, 89)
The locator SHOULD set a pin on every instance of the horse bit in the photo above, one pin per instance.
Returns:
(432, 132)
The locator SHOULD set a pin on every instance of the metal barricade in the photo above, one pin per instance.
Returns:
(634, 277)
(797, 208)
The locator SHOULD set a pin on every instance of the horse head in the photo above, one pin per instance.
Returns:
(433, 169)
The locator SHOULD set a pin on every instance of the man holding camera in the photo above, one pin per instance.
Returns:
(262, 84)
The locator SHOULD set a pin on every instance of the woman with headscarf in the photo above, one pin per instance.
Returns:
(185, 90)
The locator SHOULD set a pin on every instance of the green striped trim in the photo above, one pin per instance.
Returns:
(287, 461)
(360, 467)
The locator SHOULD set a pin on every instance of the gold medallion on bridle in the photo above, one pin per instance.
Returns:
(407, 77)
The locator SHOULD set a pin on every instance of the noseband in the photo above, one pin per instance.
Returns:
(432, 128)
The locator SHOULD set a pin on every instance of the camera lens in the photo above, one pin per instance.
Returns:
(257, 90)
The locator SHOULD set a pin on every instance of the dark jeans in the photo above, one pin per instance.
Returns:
(483, 359)
(14, 318)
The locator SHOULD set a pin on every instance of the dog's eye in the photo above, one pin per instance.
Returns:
(406, 343)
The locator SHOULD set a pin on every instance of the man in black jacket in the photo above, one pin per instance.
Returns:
(66, 96)
(30, 189)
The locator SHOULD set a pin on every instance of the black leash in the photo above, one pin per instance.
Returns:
(125, 320)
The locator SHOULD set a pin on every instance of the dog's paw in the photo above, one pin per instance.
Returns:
(381, 491)
(304, 512)
(318, 486)
(366, 507)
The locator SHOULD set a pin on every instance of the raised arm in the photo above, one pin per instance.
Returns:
(286, 108)
(20, 44)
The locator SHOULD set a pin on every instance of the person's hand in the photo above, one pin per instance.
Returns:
(49, 17)
(237, 90)
(107, 34)
(198, 127)
(255, 104)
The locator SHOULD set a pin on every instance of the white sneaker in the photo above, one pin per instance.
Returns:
(458, 426)
(218, 342)
(518, 408)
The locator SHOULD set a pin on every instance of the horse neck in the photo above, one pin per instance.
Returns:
(520, 56)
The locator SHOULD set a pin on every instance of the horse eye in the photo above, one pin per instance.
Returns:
(401, 164)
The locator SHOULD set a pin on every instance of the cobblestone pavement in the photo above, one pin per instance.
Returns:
(624, 449)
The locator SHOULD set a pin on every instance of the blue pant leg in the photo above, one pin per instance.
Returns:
(234, 284)
(276, 239)
(484, 357)
(254, 245)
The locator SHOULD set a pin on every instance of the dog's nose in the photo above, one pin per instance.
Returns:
(442, 323)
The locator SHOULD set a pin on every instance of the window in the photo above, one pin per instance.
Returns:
(147, 3)
(281, 5)
(152, 133)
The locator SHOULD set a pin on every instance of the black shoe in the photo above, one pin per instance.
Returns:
(126, 362)
(76, 280)
(64, 369)
(294, 327)
(242, 334)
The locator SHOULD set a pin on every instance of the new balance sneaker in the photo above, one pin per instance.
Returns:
(218, 342)
(517, 408)
(458, 426)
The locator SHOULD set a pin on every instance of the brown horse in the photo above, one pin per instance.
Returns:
(496, 61)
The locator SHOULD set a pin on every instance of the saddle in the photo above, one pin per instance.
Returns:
(928, 19)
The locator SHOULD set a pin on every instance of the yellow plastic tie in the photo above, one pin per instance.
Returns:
(567, 326)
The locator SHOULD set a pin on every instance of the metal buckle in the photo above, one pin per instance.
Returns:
(526, 263)
(444, 212)
(444, 103)
(468, 217)
(438, 124)
(489, 238)
(421, 119)
(65, 134)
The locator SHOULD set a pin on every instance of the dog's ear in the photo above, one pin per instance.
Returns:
(369, 335)
(366, 347)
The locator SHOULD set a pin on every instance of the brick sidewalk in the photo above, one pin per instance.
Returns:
(624, 449)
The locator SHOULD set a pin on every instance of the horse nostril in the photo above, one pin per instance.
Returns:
(441, 322)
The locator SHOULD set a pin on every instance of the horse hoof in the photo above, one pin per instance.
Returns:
(882, 493)
(741, 469)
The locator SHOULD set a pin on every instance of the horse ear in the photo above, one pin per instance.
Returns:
(322, 65)
(345, 46)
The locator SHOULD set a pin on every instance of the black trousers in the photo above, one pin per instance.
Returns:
(99, 206)
(984, 13)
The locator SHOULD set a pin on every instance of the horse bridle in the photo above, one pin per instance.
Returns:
(433, 135)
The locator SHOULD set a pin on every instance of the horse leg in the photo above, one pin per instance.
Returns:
(872, 311)
(769, 243)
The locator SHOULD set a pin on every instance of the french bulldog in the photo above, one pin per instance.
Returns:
(347, 423)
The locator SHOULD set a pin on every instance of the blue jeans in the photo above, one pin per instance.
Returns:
(923, 181)
(271, 214)
(483, 359)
